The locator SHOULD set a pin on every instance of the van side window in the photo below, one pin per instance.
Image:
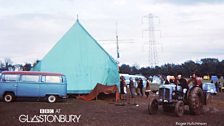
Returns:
(52, 79)
(30, 78)
(9, 77)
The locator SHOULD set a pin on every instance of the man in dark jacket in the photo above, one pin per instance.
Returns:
(140, 86)
(182, 82)
(122, 85)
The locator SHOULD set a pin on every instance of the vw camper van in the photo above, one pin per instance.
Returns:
(32, 84)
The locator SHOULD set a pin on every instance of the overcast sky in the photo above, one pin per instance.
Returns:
(186, 29)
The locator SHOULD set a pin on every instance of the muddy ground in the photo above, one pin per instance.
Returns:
(105, 112)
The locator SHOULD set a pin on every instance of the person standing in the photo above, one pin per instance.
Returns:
(140, 86)
(147, 88)
(122, 87)
(217, 86)
(132, 87)
(137, 85)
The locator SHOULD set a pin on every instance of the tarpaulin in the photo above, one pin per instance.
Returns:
(100, 88)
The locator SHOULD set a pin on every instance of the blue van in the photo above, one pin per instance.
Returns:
(32, 84)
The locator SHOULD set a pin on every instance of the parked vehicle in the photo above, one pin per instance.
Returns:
(173, 98)
(214, 79)
(134, 77)
(32, 84)
(155, 84)
(209, 88)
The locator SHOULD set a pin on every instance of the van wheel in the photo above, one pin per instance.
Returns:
(9, 97)
(51, 98)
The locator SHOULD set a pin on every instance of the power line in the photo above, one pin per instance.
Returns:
(152, 44)
(118, 41)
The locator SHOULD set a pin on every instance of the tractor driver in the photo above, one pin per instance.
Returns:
(183, 83)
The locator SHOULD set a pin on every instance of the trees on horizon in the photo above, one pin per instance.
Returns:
(206, 66)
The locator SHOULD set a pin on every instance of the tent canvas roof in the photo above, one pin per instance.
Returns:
(84, 62)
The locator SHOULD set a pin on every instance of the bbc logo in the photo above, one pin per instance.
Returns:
(46, 111)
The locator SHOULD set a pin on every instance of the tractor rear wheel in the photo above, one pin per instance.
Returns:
(195, 100)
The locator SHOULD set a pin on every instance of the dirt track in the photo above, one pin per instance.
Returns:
(107, 113)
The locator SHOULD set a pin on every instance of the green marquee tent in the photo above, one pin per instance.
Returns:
(84, 62)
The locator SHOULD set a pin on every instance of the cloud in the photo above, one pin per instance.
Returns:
(187, 2)
(187, 32)
(27, 37)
